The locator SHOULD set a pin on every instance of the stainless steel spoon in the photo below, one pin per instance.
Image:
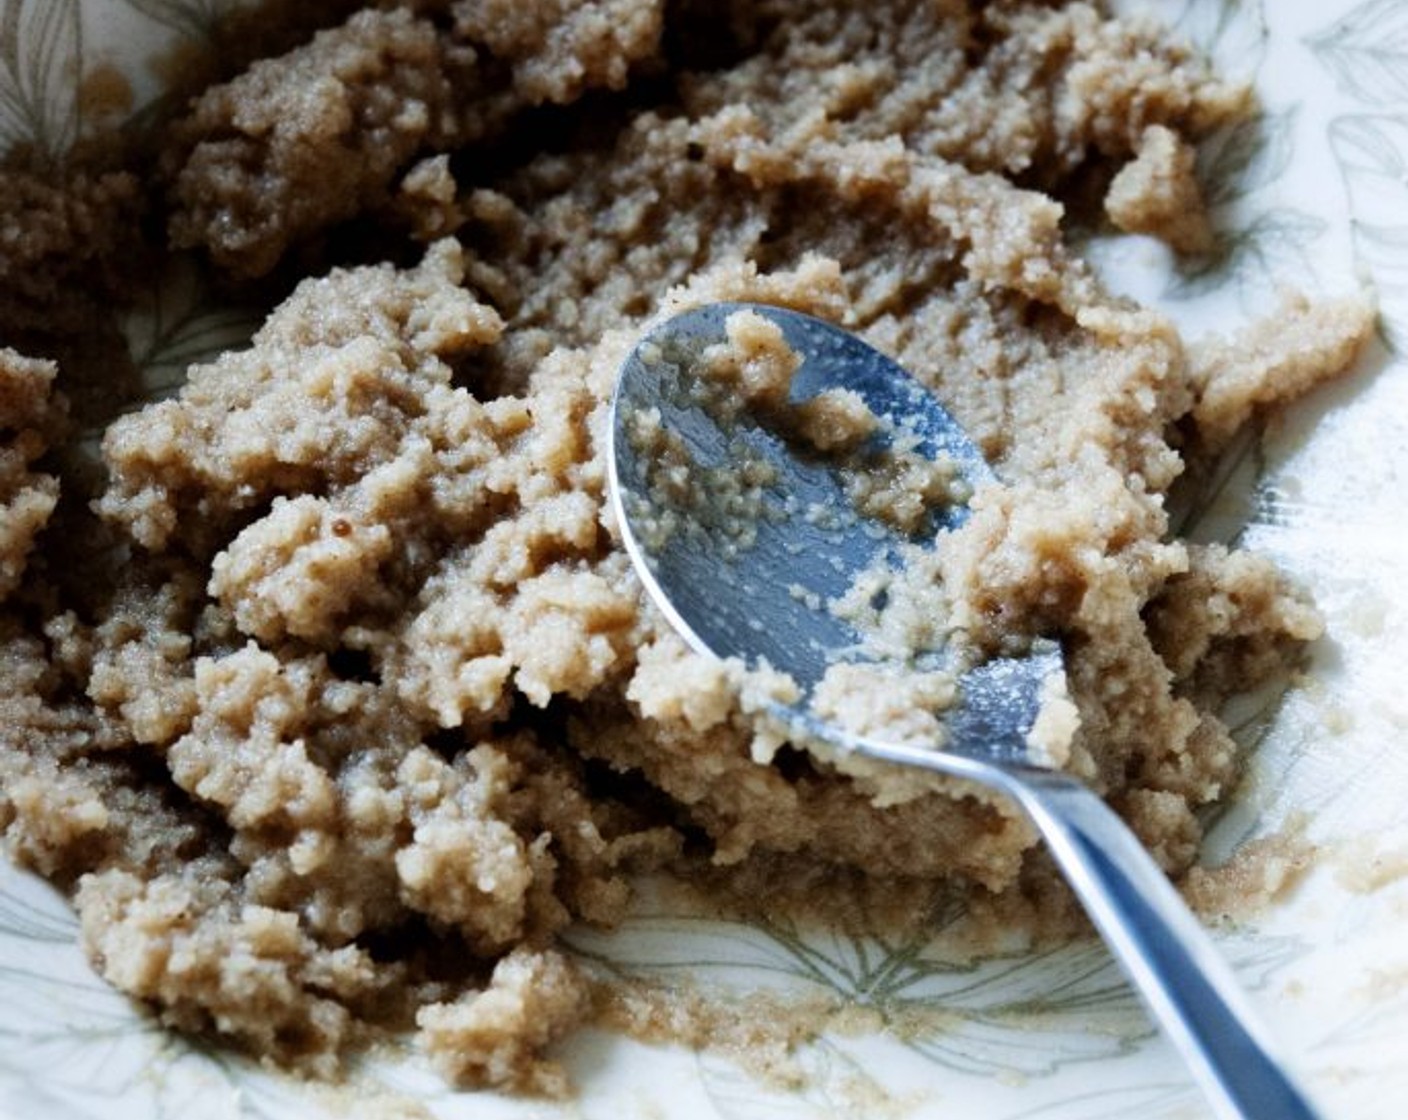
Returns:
(744, 602)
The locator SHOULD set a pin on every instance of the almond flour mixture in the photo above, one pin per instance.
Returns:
(340, 699)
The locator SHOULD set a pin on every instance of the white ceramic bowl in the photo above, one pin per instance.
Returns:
(1316, 197)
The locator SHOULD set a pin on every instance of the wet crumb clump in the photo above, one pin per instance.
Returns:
(31, 419)
(361, 704)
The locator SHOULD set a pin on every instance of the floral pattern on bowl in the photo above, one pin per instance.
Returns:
(1313, 194)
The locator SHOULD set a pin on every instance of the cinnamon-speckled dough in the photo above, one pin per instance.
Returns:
(360, 702)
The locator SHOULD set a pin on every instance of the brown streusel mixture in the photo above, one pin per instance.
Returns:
(358, 703)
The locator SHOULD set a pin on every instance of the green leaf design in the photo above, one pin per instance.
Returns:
(1382, 1020)
(1245, 156)
(40, 53)
(1032, 1014)
(774, 955)
(44, 919)
(192, 19)
(1257, 252)
(975, 1017)
(1069, 1006)
(1372, 154)
(1273, 245)
(181, 321)
(1232, 32)
(1367, 51)
(1212, 504)
(836, 1086)
(57, 1004)
(1172, 1099)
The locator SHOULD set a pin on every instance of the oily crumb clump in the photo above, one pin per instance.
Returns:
(67, 245)
(30, 420)
(313, 138)
(1285, 353)
(323, 130)
(751, 373)
(561, 48)
(495, 1037)
(1262, 871)
(754, 367)
(836, 420)
(1157, 193)
(374, 706)
(902, 487)
(224, 954)
(886, 703)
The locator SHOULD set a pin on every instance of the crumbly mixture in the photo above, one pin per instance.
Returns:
(893, 484)
(681, 496)
(752, 369)
(60, 240)
(742, 388)
(1157, 193)
(29, 421)
(350, 700)
(836, 420)
(315, 137)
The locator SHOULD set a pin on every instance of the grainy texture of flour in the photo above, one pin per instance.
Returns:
(348, 701)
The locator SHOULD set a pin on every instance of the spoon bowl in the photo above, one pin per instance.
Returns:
(753, 572)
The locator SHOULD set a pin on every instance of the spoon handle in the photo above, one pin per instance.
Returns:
(1186, 983)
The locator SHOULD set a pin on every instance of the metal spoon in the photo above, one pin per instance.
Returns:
(743, 602)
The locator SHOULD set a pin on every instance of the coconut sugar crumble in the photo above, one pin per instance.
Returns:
(334, 699)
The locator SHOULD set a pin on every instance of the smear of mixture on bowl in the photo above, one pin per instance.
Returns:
(330, 694)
